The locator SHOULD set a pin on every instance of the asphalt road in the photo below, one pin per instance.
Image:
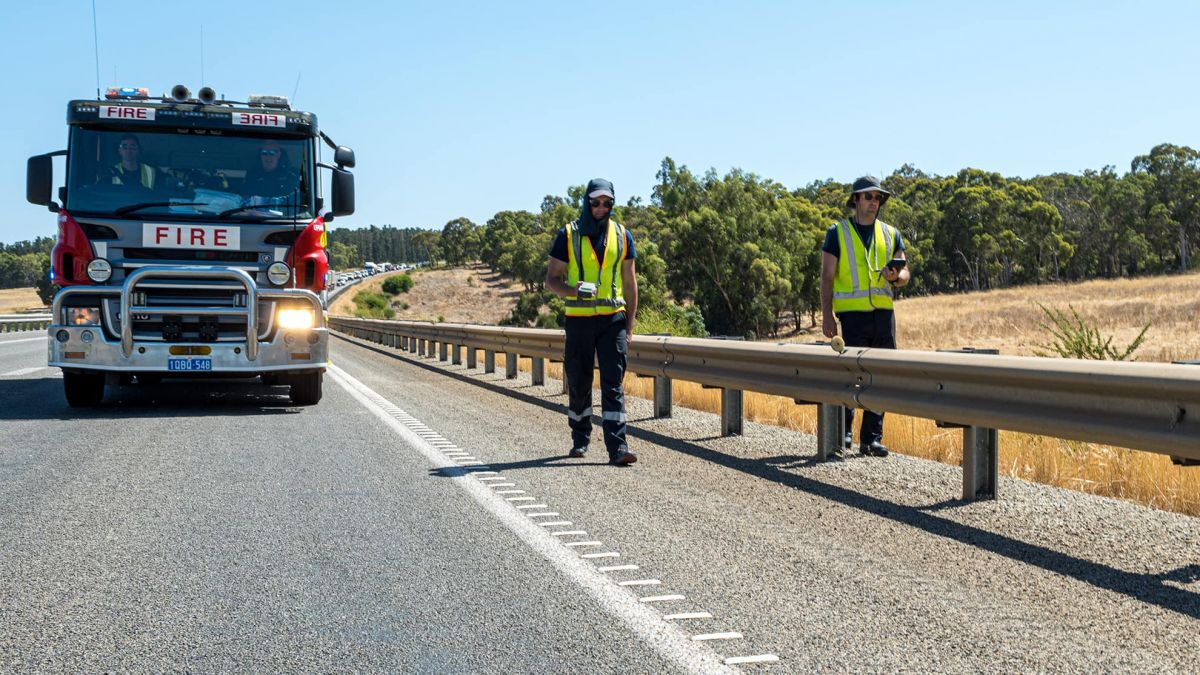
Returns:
(424, 518)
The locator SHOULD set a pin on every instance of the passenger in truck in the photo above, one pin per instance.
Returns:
(271, 178)
(131, 171)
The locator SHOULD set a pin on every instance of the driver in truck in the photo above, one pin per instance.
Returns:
(131, 170)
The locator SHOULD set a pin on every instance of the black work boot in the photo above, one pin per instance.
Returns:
(621, 457)
(875, 449)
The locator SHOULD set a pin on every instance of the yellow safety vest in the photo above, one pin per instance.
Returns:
(859, 285)
(147, 172)
(584, 265)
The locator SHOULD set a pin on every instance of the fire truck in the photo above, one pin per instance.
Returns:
(191, 241)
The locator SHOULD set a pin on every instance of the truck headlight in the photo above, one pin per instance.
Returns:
(296, 319)
(99, 270)
(278, 273)
(83, 316)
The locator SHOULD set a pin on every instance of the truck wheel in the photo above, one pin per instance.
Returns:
(306, 388)
(83, 390)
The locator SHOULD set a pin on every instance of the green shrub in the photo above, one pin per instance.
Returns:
(395, 285)
(671, 319)
(1075, 339)
(372, 305)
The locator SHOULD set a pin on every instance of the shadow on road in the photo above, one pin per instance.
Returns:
(786, 470)
(42, 399)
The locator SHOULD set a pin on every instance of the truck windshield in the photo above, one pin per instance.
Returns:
(189, 173)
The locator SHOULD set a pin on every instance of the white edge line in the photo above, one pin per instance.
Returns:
(759, 658)
(688, 615)
(668, 639)
(731, 635)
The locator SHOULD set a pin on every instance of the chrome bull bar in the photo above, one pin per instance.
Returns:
(250, 311)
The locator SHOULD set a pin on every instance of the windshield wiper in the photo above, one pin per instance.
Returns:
(124, 210)
(248, 207)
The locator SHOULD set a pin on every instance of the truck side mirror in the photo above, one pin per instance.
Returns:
(39, 181)
(343, 192)
(344, 157)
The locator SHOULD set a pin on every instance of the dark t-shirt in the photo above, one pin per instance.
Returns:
(558, 250)
(833, 246)
(277, 183)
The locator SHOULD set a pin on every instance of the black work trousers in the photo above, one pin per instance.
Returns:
(868, 329)
(596, 339)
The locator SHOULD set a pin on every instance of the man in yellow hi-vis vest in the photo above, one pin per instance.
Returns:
(591, 266)
(863, 261)
(131, 170)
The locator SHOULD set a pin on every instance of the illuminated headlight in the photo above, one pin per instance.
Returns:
(99, 270)
(83, 316)
(296, 319)
(279, 273)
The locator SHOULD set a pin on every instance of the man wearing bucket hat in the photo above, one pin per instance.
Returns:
(862, 263)
(591, 266)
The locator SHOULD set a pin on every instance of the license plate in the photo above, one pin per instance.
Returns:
(193, 364)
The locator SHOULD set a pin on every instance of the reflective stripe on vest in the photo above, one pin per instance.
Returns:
(859, 285)
(584, 265)
(146, 170)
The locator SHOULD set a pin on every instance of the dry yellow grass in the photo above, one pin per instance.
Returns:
(14, 300)
(1009, 320)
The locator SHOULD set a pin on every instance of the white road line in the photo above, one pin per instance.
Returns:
(487, 478)
(759, 658)
(688, 615)
(475, 472)
(23, 371)
(662, 598)
(535, 506)
(617, 568)
(510, 492)
(548, 514)
(718, 636)
(520, 499)
(568, 533)
(575, 544)
(555, 523)
(500, 485)
(640, 582)
(667, 638)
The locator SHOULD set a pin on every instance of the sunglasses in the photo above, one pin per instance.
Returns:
(268, 153)
(606, 203)
(871, 196)
(126, 146)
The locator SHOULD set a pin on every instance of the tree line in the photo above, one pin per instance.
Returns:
(740, 254)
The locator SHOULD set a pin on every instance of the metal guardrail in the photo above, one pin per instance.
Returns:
(11, 323)
(1153, 407)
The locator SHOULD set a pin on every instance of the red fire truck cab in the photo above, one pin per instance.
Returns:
(191, 241)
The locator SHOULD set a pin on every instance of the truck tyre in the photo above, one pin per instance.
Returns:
(83, 390)
(306, 388)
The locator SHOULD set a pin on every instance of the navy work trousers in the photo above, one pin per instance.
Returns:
(596, 339)
(868, 329)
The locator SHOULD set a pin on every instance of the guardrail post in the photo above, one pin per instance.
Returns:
(981, 449)
(831, 428)
(456, 354)
(510, 365)
(443, 351)
(489, 361)
(539, 371)
(422, 347)
(731, 412)
(662, 396)
(472, 358)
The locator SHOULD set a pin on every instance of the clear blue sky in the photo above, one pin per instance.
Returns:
(464, 109)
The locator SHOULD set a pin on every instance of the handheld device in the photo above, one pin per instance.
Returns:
(586, 290)
(897, 263)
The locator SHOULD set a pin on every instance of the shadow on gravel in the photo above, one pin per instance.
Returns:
(1149, 588)
(43, 399)
(558, 461)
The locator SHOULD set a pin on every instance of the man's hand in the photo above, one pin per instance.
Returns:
(829, 325)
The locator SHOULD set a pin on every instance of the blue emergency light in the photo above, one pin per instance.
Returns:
(127, 92)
